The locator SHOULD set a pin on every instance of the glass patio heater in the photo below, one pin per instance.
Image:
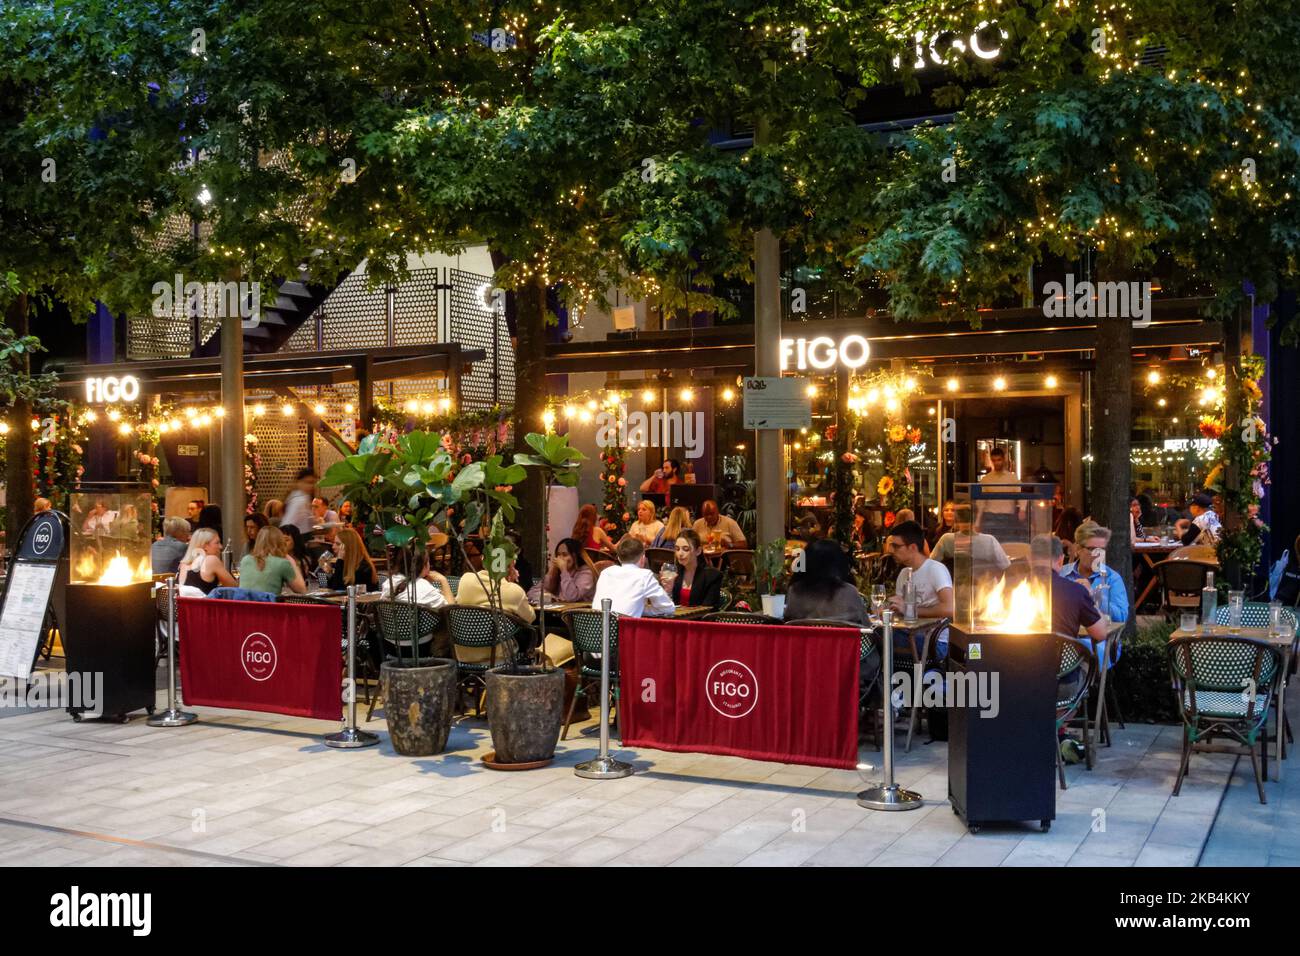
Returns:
(110, 620)
(1002, 656)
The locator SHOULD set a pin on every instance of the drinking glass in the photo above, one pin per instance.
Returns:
(1187, 623)
(878, 598)
(1236, 599)
(667, 575)
(909, 601)
(1275, 618)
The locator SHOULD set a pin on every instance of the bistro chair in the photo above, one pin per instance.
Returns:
(161, 642)
(1075, 672)
(1256, 615)
(1195, 552)
(597, 555)
(584, 630)
(480, 627)
(453, 582)
(1181, 582)
(738, 565)
(655, 558)
(1253, 615)
(913, 649)
(1224, 687)
(739, 617)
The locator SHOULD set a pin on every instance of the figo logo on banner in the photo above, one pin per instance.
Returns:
(731, 688)
(258, 656)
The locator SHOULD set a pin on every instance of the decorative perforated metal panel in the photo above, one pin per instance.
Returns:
(473, 325)
(282, 445)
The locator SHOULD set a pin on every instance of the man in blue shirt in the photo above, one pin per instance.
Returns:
(1090, 541)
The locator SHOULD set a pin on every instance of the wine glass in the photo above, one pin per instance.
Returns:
(667, 575)
(878, 597)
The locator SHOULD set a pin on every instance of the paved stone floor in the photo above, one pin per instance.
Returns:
(255, 789)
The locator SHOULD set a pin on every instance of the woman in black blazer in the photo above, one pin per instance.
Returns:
(702, 584)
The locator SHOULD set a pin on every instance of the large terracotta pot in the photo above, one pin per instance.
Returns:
(419, 703)
(525, 707)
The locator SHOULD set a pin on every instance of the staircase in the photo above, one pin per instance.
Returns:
(296, 300)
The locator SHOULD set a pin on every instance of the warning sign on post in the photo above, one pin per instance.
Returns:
(775, 402)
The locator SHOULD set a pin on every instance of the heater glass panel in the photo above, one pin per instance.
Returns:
(111, 535)
(1002, 558)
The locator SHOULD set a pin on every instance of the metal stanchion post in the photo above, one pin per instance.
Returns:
(889, 795)
(604, 767)
(171, 717)
(350, 737)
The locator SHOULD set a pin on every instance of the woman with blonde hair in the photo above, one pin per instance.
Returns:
(678, 520)
(353, 564)
(273, 510)
(202, 566)
(267, 568)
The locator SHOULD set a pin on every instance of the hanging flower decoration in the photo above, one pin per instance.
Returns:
(1211, 427)
(885, 486)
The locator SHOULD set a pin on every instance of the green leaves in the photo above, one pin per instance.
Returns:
(559, 462)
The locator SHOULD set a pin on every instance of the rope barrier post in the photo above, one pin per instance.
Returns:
(888, 795)
(172, 716)
(604, 767)
(350, 738)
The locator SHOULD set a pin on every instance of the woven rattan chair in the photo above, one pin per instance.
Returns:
(162, 635)
(913, 649)
(738, 565)
(1224, 687)
(1253, 615)
(1075, 672)
(584, 630)
(480, 627)
(655, 558)
(739, 617)
(396, 621)
(1180, 584)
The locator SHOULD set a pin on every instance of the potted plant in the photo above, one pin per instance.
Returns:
(769, 572)
(401, 489)
(526, 701)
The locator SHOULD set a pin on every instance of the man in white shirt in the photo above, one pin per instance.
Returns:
(630, 586)
(930, 578)
(998, 515)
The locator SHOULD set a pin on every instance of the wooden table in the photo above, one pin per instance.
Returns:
(1145, 550)
(1285, 644)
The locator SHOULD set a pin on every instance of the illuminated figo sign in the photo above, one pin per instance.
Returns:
(110, 388)
(823, 352)
(984, 43)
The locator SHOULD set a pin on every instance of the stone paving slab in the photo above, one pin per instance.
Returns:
(260, 789)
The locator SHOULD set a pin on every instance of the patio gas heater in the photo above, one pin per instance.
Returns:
(1002, 657)
(110, 620)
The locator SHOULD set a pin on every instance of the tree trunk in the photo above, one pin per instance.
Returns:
(20, 491)
(1112, 426)
(530, 404)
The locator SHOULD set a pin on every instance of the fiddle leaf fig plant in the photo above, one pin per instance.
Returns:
(558, 463)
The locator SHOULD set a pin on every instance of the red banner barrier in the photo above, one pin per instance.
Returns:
(252, 655)
(766, 692)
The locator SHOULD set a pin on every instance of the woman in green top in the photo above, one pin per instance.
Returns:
(267, 569)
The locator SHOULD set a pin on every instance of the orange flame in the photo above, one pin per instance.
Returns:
(1023, 611)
